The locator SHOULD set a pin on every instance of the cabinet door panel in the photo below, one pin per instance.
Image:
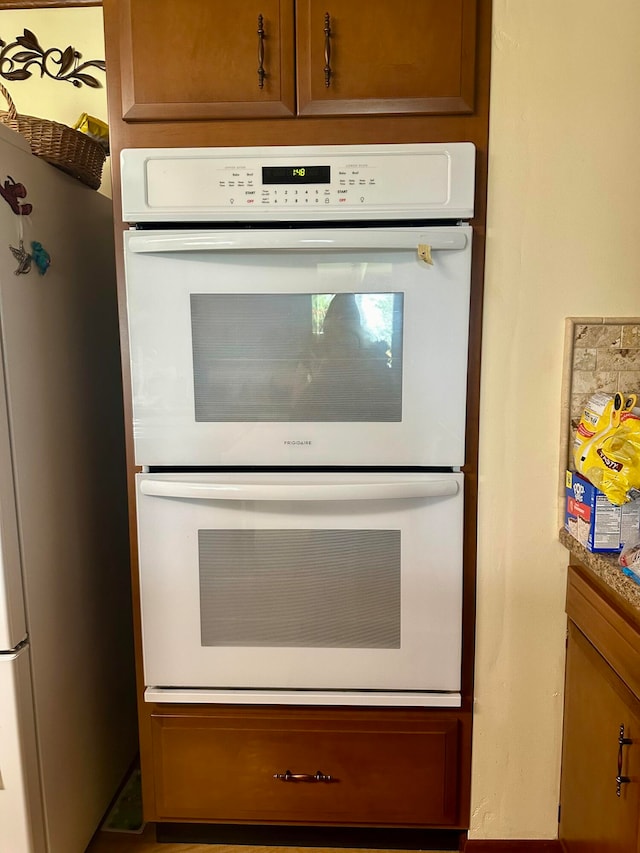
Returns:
(199, 59)
(386, 56)
(593, 818)
(383, 769)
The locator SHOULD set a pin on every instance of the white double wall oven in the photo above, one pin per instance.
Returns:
(298, 331)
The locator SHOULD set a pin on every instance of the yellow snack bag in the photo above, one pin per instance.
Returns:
(607, 447)
(93, 127)
(596, 414)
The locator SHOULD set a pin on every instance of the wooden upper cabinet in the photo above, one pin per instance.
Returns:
(385, 56)
(205, 59)
(201, 59)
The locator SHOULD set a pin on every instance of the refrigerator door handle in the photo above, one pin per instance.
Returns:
(396, 490)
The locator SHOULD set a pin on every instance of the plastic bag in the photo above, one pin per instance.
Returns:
(606, 449)
(629, 558)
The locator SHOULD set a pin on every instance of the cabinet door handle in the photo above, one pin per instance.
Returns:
(620, 779)
(327, 50)
(288, 776)
(261, 72)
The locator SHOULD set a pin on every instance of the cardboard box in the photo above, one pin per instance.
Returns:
(594, 521)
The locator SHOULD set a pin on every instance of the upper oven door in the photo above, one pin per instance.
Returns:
(299, 347)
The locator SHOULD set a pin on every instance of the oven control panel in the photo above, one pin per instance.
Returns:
(354, 185)
(315, 182)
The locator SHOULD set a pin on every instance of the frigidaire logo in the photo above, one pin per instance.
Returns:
(297, 443)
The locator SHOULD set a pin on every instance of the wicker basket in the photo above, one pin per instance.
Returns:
(69, 150)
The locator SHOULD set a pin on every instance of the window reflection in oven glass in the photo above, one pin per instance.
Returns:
(297, 357)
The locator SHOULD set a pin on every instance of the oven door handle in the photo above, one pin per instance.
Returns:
(395, 490)
(454, 239)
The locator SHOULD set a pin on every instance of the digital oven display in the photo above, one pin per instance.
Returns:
(296, 174)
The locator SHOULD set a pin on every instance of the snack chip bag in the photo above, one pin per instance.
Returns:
(96, 129)
(606, 449)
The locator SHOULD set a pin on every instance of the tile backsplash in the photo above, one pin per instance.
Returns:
(600, 354)
(605, 357)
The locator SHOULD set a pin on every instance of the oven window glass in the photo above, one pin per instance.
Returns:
(300, 588)
(297, 357)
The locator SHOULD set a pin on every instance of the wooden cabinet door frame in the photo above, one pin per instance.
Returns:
(281, 106)
(309, 70)
(597, 703)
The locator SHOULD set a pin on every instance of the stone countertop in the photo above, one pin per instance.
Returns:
(607, 568)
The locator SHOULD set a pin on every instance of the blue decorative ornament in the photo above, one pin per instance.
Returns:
(41, 258)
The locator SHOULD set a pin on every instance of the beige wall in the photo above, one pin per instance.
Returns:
(564, 185)
(54, 99)
(564, 188)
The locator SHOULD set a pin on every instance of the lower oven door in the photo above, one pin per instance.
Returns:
(316, 587)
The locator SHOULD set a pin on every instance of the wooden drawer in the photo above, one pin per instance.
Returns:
(386, 768)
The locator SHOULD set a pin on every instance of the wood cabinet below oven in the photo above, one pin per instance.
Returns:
(208, 59)
(600, 795)
(359, 767)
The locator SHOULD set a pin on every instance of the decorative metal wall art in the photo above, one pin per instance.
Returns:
(17, 58)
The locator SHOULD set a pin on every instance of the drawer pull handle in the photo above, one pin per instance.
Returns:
(288, 776)
(620, 779)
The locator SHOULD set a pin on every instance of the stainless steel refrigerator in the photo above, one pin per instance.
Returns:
(67, 698)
